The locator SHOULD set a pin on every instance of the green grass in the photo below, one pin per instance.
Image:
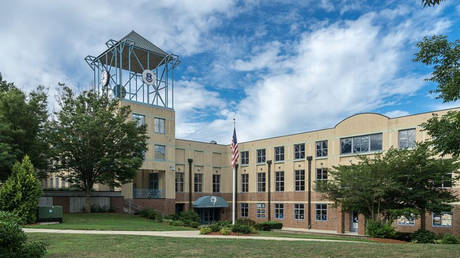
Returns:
(309, 236)
(72, 245)
(109, 221)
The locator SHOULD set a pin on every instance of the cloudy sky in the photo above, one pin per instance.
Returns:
(278, 67)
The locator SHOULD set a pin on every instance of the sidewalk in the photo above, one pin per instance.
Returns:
(183, 234)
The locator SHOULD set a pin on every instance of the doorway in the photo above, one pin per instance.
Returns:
(354, 219)
(180, 207)
(208, 215)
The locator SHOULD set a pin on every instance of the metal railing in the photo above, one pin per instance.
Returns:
(146, 193)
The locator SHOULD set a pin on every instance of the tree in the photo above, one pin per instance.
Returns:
(23, 121)
(20, 194)
(431, 2)
(93, 141)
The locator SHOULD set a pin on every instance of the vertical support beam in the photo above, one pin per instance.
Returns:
(269, 163)
(190, 161)
(236, 191)
(309, 158)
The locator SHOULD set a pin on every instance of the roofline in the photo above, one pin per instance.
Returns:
(201, 142)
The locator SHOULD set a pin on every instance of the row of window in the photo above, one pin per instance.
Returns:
(299, 180)
(299, 211)
(438, 220)
(55, 182)
(197, 182)
(159, 123)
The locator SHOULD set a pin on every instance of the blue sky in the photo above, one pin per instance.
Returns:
(278, 67)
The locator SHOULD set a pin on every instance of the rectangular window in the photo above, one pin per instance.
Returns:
(244, 183)
(299, 180)
(261, 182)
(160, 152)
(198, 183)
(299, 211)
(321, 148)
(57, 182)
(260, 210)
(244, 157)
(159, 125)
(279, 181)
(139, 119)
(361, 144)
(179, 182)
(279, 153)
(321, 211)
(62, 182)
(244, 210)
(442, 220)
(51, 183)
(321, 174)
(261, 156)
(216, 183)
(279, 211)
(299, 151)
(406, 138)
(406, 221)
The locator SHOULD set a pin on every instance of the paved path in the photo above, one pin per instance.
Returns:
(185, 234)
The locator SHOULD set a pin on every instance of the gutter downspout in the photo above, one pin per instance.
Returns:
(309, 158)
(190, 183)
(269, 163)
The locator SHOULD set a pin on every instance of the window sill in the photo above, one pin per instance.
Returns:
(260, 164)
(279, 162)
(244, 165)
(299, 160)
(360, 154)
(325, 157)
(405, 225)
(440, 226)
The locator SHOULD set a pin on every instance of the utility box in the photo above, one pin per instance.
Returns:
(51, 213)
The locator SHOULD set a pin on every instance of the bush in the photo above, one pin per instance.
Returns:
(268, 225)
(241, 228)
(225, 230)
(403, 236)
(178, 223)
(189, 216)
(21, 192)
(423, 236)
(151, 214)
(248, 222)
(13, 241)
(205, 230)
(380, 229)
(449, 239)
(194, 224)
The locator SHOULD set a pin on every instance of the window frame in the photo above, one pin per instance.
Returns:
(198, 184)
(260, 210)
(181, 183)
(216, 184)
(299, 154)
(279, 211)
(135, 119)
(261, 158)
(322, 149)
(161, 130)
(279, 153)
(156, 157)
(409, 146)
(409, 224)
(297, 211)
(245, 183)
(320, 172)
(322, 211)
(244, 210)
(360, 138)
(300, 180)
(279, 181)
(245, 158)
(440, 219)
(261, 183)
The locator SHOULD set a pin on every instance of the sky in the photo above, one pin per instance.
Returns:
(277, 67)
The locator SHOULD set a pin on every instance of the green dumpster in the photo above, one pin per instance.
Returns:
(51, 213)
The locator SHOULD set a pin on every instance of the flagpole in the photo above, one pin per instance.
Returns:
(233, 188)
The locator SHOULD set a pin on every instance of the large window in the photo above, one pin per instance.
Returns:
(179, 182)
(279, 211)
(261, 182)
(260, 210)
(406, 221)
(321, 174)
(321, 211)
(244, 210)
(442, 219)
(261, 156)
(361, 144)
(279, 153)
(160, 152)
(198, 183)
(299, 151)
(321, 149)
(299, 180)
(279, 181)
(159, 125)
(216, 183)
(244, 157)
(299, 211)
(406, 139)
(139, 119)
(244, 183)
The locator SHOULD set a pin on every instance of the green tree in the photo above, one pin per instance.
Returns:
(94, 141)
(22, 127)
(20, 194)
(431, 2)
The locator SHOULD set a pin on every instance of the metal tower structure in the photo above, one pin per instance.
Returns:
(134, 69)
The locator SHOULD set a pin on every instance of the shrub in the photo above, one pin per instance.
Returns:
(380, 229)
(178, 223)
(205, 230)
(423, 236)
(151, 214)
(268, 225)
(248, 222)
(215, 227)
(241, 228)
(13, 241)
(449, 239)
(194, 224)
(21, 192)
(225, 230)
(403, 236)
(189, 216)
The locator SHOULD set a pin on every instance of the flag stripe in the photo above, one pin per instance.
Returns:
(235, 153)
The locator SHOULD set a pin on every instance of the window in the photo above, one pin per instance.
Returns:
(443, 219)
(406, 139)
(279, 181)
(215, 183)
(279, 153)
(62, 182)
(244, 183)
(244, 210)
(299, 211)
(140, 119)
(57, 182)
(299, 180)
(361, 144)
(445, 182)
(279, 211)
(244, 157)
(261, 156)
(51, 182)
(321, 174)
(321, 149)
(406, 221)
(198, 183)
(260, 210)
(321, 212)
(299, 151)
(179, 182)
(160, 152)
(159, 125)
(261, 182)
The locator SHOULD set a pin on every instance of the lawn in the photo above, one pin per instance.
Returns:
(310, 236)
(109, 221)
(73, 245)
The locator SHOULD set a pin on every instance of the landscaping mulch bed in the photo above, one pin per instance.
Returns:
(231, 234)
(387, 240)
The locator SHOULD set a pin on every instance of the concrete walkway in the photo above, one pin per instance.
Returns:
(184, 234)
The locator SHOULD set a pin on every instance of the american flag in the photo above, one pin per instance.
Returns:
(235, 153)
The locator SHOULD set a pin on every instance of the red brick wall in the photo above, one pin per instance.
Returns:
(165, 206)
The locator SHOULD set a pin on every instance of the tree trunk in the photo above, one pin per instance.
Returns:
(87, 201)
(423, 219)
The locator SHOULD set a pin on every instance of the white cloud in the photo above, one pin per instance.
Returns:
(396, 113)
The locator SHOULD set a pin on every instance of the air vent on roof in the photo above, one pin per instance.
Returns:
(213, 142)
